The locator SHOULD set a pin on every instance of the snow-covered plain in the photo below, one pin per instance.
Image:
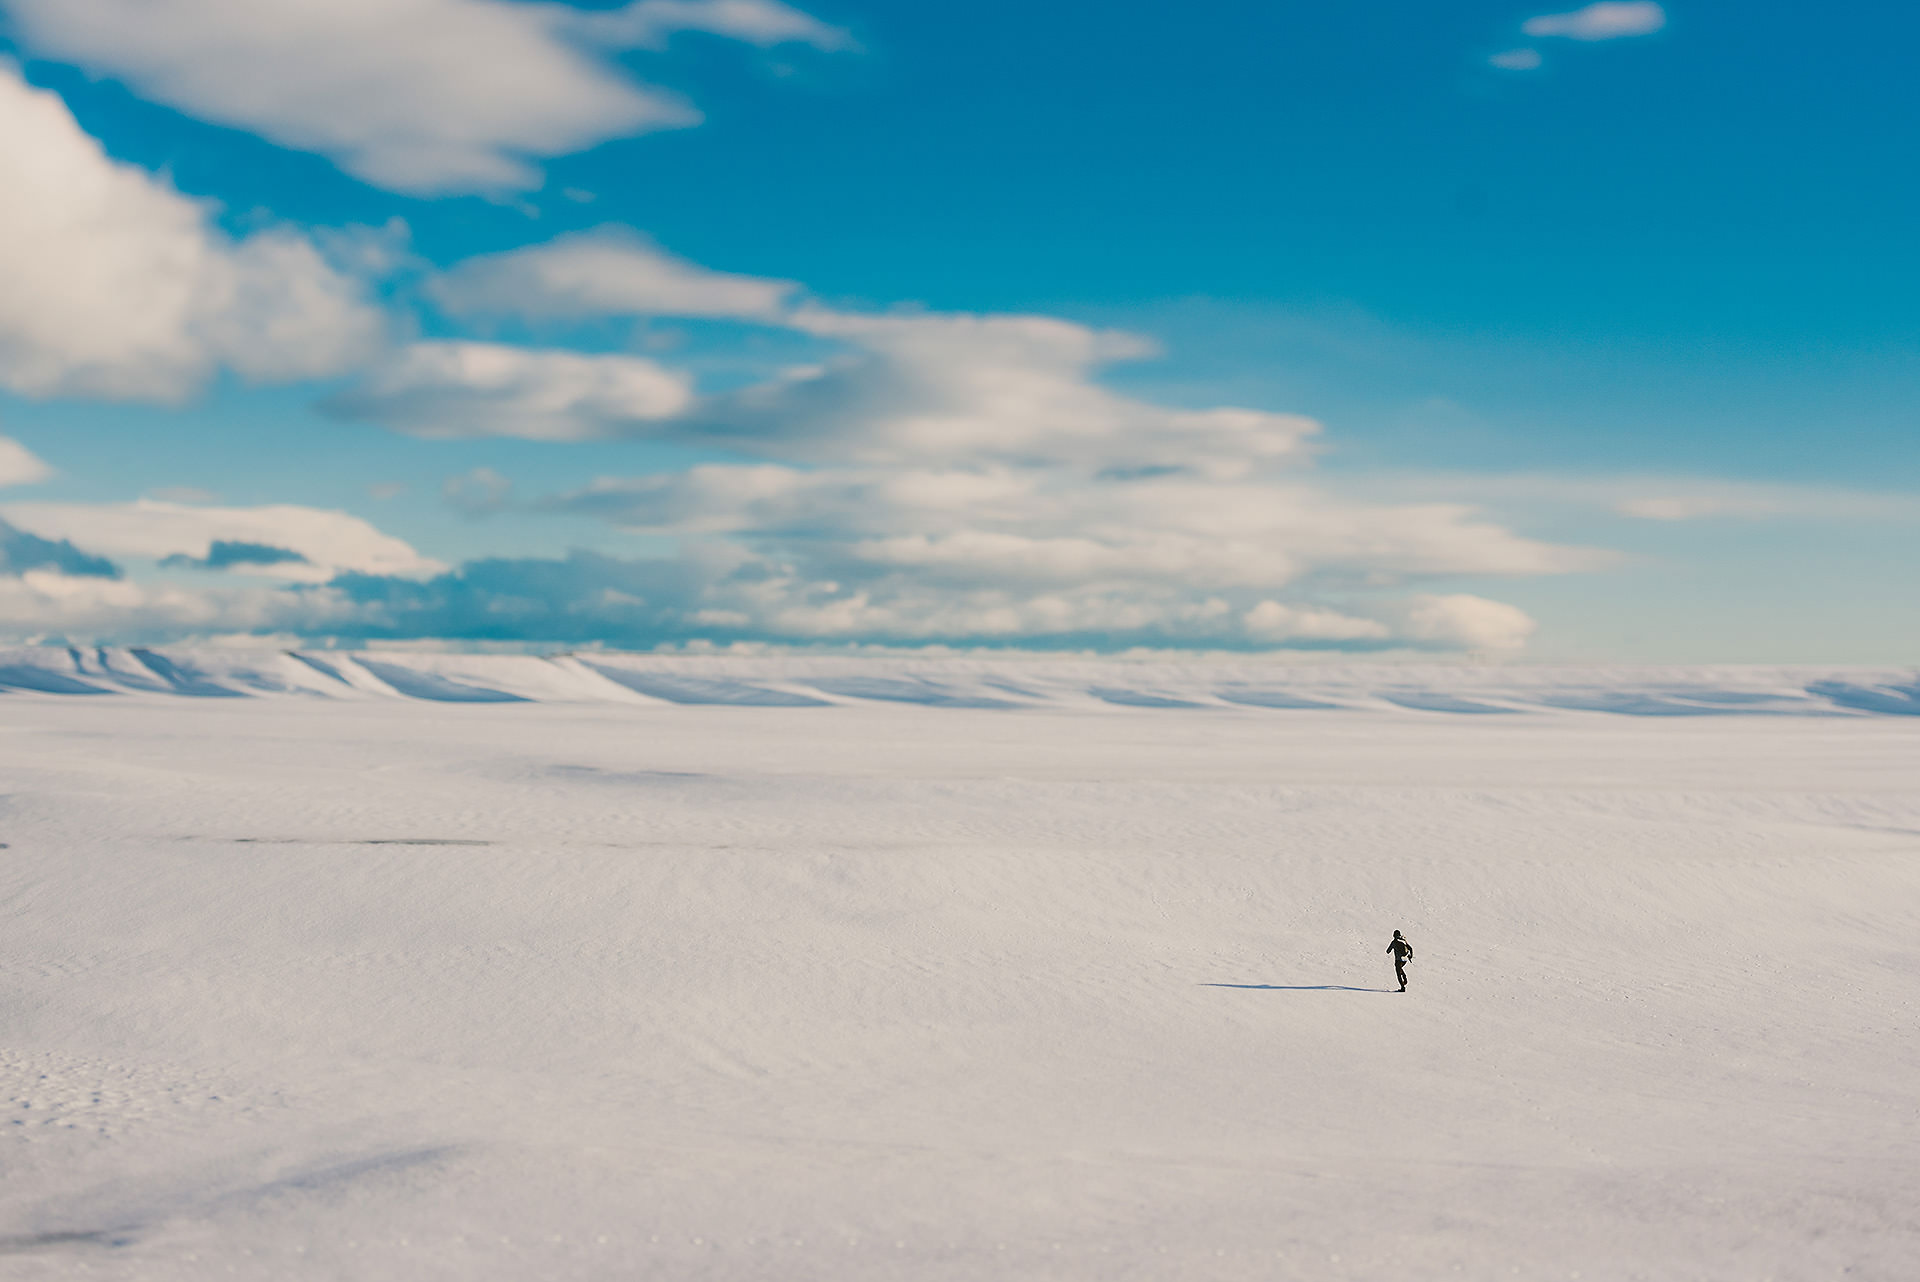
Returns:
(407, 966)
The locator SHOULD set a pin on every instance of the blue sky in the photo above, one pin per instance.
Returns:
(1541, 332)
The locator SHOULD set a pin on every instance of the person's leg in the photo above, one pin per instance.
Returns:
(1400, 969)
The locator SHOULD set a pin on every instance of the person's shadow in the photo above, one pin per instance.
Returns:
(1304, 988)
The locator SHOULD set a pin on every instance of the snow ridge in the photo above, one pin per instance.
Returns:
(997, 683)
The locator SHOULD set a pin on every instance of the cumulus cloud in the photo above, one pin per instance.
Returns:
(1607, 20)
(1461, 622)
(118, 286)
(1270, 621)
(19, 465)
(305, 544)
(608, 272)
(418, 96)
(448, 390)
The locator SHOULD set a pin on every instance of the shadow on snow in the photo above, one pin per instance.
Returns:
(1305, 988)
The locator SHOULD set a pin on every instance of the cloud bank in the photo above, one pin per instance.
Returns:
(935, 478)
(715, 594)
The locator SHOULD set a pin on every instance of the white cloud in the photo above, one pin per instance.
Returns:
(1460, 621)
(648, 23)
(1608, 20)
(325, 542)
(908, 388)
(1012, 387)
(1052, 525)
(1516, 60)
(731, 591)
(419, 96)
(609, 272)
(1273, 622)
(42, 604)
(19, 465)
(447, 390)
(116, 285)
(728, 592)
(1025, 550)
(941, 476)
(914, 388)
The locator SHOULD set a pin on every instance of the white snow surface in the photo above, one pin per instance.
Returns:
(806, 968)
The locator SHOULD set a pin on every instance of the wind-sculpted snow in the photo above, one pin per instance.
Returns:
(1009, 683)
(416, 684)
(677, 687)
(1890, 698)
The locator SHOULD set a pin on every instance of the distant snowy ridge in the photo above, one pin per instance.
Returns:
(1006, 683)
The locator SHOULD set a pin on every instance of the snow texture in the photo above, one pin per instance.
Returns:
(409, 966)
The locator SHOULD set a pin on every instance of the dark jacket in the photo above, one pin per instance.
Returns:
(1402, 951)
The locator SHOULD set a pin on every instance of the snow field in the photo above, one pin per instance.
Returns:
(376, 989)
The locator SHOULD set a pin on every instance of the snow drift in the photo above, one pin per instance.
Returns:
(801, 681)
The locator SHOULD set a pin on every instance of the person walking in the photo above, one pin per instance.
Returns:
(1402, 954)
